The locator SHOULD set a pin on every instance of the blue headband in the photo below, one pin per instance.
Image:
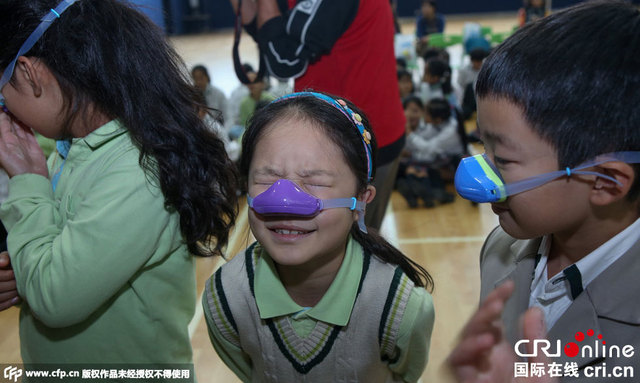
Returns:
(45, 23)
(353, 117)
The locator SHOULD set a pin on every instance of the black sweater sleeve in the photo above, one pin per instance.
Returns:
(300, 36)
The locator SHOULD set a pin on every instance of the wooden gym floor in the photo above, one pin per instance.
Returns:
(446, 240)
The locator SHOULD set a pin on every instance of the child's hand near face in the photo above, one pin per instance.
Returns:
(420, 172)
(483, 354)
(8, 293)
(409, 127)
(19, 149)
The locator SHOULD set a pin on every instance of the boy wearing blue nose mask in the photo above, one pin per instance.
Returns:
(558, 112)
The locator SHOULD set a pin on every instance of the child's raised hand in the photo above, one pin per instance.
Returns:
(483, 354)
(8, 292)
(408, 128)
(19, 149)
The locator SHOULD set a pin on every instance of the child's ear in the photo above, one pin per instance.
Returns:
(605, 191)
(369, 194)
(31, 72)
(366, 196)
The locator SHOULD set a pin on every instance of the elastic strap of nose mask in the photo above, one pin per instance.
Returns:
(45, 23)
(286, 198)
(478, 180)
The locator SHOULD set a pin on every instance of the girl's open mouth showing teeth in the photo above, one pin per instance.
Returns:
(288, 232)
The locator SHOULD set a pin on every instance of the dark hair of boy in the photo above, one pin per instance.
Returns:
(439, 68)
(401, 62)
(412, 100)
(402, 73)
(144, 86)
(579, 95)
(478, 54)
(341, 131)
(439, 108)
(203, 69)
(432, 53)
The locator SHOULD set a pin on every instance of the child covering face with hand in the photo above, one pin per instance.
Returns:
(101, 237)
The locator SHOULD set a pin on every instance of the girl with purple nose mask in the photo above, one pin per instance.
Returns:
(318, 297)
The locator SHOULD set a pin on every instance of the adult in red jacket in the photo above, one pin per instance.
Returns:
(345, 48)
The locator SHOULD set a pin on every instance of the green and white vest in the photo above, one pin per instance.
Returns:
(357, 352)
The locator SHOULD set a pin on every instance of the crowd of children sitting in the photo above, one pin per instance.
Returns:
(435, 115)
(436, 109)
(235, 111)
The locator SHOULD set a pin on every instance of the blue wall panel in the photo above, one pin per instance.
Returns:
(214, 14)
(222, 15)
(407, 8)
(218, 13)
(153, 9)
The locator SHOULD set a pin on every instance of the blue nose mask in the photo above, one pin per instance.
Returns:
(286, 198)
(478, 180)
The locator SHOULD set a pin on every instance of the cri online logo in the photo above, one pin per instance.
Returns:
(593, 347)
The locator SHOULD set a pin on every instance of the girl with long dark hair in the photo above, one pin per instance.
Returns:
(101, 240)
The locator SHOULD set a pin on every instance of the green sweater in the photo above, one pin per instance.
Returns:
(248, 107)
(100, 263)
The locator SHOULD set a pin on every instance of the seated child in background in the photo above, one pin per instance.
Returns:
(235, 98)
(467, 80)
(570, 241)
(413, 181)
(211, 119)
(428, 21)
(474, 38)
(257, 94)
(435, 145)
(213, 96)
(531, 10)
(468, 74)
(435, 53)
(405, 84)
(318, 297)
(436, 81)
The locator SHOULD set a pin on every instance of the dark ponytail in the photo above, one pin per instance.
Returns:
(377, 245)
(438, 67)
(345, 135)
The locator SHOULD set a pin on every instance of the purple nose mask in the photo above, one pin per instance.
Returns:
(286, 198)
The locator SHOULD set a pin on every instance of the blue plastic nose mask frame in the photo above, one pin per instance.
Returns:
(286, 198)
(478, 180)
(45, 23)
